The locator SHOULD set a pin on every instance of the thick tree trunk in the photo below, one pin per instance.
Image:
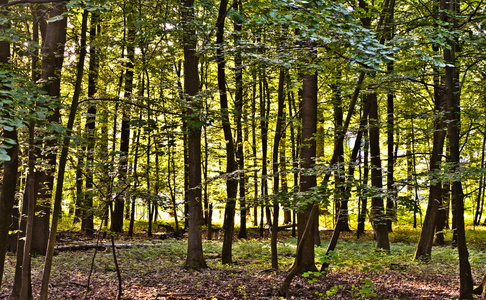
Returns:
(9, 188)
(195, 257)
(63, 160)
(308, 180)
(10, 168)
(52, 61)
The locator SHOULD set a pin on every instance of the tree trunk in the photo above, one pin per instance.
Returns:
(452, 99)
(63, 160)
(231, 180)
(341, 199)
(424, 247)
(52, 60)
(240, 157)
(307, 155)
(195, 257)
(118, 212)
(254, 149)
(362, 194)
(264, 113)
(10, 168)
(377, 207)
(87, 225)
(276, 155)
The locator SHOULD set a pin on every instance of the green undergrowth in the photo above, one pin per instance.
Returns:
(351, 254)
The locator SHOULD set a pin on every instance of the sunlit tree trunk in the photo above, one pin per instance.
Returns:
(364, 183)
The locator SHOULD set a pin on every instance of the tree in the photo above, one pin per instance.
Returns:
(117, 218)
(452, 99)
(308, 180)
(11, 162)
(195, 258)
(231, 181)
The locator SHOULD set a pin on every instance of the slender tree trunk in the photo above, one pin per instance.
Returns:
(118, 212)
(136, 181)
(390, 177)
(480, 195)
(362, 194)
(243, 234)
(341, 199)
(276, 155)
(231, 180)
(377, 207)
(254, 149)
(87, 223)
(295, 146)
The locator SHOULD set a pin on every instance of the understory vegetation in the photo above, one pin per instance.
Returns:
(152, 268)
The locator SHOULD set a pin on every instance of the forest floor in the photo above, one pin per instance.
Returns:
(152, 268)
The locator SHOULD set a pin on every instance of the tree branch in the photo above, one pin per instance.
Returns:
(31, 2)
